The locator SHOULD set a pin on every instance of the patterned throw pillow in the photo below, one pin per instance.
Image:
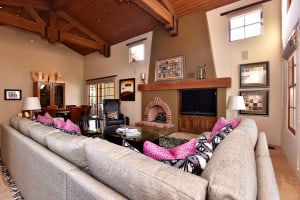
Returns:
(184, 150)
(222, 122)
(60, 123)
(221, 135)
(112, 115)
(70, 126)
(195, 163)
(44, 120)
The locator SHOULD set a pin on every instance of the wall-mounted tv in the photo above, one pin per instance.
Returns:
(198, 102)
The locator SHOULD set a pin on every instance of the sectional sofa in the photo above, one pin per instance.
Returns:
(46, 163)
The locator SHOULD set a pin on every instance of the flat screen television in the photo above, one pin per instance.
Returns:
(199, 102)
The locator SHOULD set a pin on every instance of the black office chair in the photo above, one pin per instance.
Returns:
(112, 114)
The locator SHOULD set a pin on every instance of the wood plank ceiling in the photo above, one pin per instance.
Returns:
(88, 26)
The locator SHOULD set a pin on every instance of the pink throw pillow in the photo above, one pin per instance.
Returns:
(47, 115)
(70, 126)
(60, 123)
(154, 151)
(184, 150)
(235, 122)
(221, 123)
(44, 120)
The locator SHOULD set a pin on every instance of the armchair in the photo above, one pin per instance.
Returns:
(112, 114)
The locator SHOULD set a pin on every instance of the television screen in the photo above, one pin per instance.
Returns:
(199, 102)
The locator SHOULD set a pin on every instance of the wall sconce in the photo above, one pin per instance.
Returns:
(143, 78)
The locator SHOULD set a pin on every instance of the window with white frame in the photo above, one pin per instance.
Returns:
(98, 90)
(246, 25)
(136, 53)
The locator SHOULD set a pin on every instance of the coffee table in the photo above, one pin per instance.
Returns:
(136, 142)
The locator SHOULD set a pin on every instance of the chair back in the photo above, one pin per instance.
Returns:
(68, 107)
(75, 115)
(111, 105)
(51, 111)
(86, 110)
(52, 106)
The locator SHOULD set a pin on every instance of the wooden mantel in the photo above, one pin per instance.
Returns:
(187, 84)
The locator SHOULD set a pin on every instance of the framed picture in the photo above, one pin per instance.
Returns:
(169, 68)
(127, 89)
(11, 94)
(256, 102)
(254, 75)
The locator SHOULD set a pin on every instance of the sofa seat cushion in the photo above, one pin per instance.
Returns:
(139, 177)
(231, 171)
(14, 122)
(70, 147)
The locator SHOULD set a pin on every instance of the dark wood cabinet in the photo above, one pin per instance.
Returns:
(50, 93)
(196, 124)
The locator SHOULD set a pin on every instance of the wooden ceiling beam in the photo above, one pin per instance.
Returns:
(42, 5)
(158, 11)
(81, 27)
(74, 39)
(19, 22)
(58, 4)
(35, 15)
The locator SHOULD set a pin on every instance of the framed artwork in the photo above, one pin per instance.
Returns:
(254, 75)
(256, 102)
(127, 89)
(11, 94)
(169, 68)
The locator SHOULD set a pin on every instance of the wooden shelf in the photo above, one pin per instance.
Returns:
(187, 84)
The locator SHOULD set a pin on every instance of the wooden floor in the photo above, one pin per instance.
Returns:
(288, 184)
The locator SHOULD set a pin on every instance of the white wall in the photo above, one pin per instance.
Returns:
(22, 52)
(267, 47)
(289, 142)
(96, 66)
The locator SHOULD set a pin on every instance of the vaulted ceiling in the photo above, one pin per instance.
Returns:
(88, 26)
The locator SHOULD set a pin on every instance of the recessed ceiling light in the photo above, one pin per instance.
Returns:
(98, 20)
(1, 7)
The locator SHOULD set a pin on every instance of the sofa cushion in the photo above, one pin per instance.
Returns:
(45, 120)
(70, 126)
(184, 150)
(156, 152)
(14, 122)
(221, 123)
(231, 171)
(248, 126)
(24, 124)
(39, 133)
(70, 147)
(112, 115)
(139, 177)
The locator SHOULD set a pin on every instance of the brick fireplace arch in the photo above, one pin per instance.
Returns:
(155, 106)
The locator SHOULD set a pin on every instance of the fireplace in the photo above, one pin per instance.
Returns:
(157, 116)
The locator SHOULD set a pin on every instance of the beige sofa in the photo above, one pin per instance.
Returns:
(46, 163)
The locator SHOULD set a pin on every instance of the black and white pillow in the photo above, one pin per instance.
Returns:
(217, 139)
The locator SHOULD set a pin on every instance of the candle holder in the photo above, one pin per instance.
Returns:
(143, 78)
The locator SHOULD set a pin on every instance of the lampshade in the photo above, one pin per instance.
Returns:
(31, 103)
(236, 103)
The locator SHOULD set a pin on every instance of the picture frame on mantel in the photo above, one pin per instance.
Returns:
(169, 69)
(254, 75)
(127, 89)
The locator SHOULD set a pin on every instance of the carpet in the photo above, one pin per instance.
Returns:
(171, 142)
(10, 182)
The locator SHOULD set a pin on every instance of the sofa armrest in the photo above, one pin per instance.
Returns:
(266, 180)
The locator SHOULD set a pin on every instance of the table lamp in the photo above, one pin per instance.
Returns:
(236, 103)
(31, 104)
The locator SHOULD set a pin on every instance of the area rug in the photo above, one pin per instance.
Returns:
(170, 142)
(10, 182)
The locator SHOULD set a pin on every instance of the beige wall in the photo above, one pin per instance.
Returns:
(227, 57)
(290, 143)
(97, 66)
(22, 52)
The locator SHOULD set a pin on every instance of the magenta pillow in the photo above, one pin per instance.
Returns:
(70, 126)
(217, 127)
(47, 115)
(44, 120)
(235, 122)
(60, 123)
(184, 150)
(154, 151)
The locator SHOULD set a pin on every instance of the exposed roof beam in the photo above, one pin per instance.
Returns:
(81, 27)
(158, 11)
(58, 5)
(34, 14)
(22, 23)
(42, 5)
